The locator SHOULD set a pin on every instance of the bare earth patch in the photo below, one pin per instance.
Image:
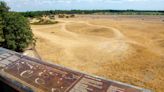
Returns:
(120, 48)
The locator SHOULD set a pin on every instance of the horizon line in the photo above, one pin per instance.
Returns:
(139, 10)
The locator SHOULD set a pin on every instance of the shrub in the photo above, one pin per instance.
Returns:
(15, 30)
(44, 22)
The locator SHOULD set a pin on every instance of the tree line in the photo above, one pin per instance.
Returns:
(15, 31)
(112, 12)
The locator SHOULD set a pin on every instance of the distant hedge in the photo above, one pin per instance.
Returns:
(15, 31)
(111, 12)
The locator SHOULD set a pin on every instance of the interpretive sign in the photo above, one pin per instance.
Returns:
(32, 75)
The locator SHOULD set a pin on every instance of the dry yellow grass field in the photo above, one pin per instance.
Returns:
(129, 49)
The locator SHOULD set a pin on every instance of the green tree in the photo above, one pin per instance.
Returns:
(1, 31)
(3, 7)
(15, 30)
(3, 10)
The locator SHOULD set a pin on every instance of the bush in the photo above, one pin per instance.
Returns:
(44, 22)
(61, 16)
(15, 31)
(72, 15)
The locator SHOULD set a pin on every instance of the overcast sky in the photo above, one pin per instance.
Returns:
(33, 5)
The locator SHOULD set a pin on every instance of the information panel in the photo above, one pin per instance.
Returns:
(32, 75)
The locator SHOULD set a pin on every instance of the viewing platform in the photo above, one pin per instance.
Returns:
(26, 74)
